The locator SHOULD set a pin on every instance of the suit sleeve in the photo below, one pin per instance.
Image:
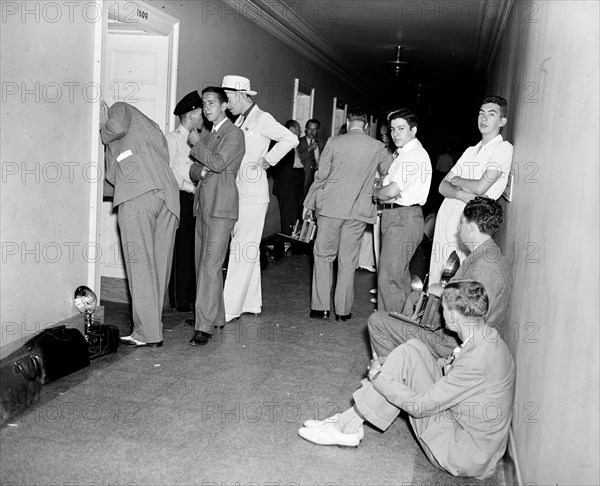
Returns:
(284, 139)
(233, 145)
(385, 161)
(462, 382)
(117, 125)
(322, 176)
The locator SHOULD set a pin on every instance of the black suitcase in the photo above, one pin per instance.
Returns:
(57, 352)
(19, 384)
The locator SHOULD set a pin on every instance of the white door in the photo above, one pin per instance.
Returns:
(136, 73)
(303, 110)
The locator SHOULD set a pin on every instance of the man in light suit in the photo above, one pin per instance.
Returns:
(342, 196)
(242, 285)
(147, 197)
(310, 148)
(460, 408)
(218, 157)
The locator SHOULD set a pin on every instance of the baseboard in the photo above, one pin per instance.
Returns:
(512, 450)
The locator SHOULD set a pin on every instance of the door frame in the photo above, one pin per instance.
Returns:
(144, 17)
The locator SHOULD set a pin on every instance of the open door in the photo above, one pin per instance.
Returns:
(140, 68)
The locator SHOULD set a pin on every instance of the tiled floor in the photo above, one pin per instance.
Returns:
(222, 414)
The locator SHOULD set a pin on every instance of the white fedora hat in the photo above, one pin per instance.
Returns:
(231, 82)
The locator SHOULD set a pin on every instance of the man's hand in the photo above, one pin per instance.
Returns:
(193, 137)
(307, 213)
(263, 164)
(312, 145)
(375, 366)
(103, 114)
(435, 289)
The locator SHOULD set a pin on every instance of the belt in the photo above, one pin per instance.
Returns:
(395, 206)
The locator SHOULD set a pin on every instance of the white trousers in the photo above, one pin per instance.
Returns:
(242, 292)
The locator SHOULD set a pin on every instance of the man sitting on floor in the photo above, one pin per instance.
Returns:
(481, 218)
(459, 408)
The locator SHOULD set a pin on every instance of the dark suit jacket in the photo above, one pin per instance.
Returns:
(308, 159)
(137, 157)
(222, 154)
(343, 186)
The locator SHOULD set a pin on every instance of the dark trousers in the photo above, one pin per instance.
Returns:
(182, 286)
(290, 203)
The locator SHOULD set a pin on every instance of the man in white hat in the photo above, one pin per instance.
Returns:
(242, 290)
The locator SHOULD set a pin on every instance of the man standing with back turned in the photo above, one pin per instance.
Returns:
(342, 196)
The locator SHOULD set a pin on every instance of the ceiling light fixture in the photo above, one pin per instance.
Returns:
(397, 64)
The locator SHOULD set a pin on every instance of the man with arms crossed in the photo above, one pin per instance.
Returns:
(402, 195)
(481, 170)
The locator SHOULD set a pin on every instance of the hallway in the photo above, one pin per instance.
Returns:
(226, 413)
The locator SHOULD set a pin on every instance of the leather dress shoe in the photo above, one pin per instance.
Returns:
(333, 419)
(327, 434)
(343, 317)
(200, 338)
(319, 314)
(134, 343)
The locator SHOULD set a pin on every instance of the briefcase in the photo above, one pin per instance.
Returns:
(17, 392)
(102, 339)
(54, 353)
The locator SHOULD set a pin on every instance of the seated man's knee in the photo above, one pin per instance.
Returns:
(376, 321)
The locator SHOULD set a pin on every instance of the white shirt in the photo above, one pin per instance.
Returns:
(411, 171)
(496, 154)
(297, 162)
(179, 158)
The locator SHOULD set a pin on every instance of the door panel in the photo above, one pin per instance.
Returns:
(136, 73)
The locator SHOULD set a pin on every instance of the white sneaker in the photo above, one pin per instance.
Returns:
(309, 424)
(329, 435)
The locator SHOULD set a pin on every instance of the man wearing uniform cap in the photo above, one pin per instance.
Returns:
(242, 286)
(182, 286)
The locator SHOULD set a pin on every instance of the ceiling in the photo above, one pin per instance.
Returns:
(447, 44)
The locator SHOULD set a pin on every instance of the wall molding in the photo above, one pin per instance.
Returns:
(283, 22)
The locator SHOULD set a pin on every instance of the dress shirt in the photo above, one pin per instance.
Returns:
(411, 171)
(218, 125)
(496, 154)
(179, 155)
(297, 162)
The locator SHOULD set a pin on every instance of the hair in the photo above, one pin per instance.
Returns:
(468, 297)
(498, 100)
(407, 115)
(315, 121)
(486, 213)
(291, 123)
(357, 113)
(220, 92)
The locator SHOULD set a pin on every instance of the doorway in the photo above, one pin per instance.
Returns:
(139, 67)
